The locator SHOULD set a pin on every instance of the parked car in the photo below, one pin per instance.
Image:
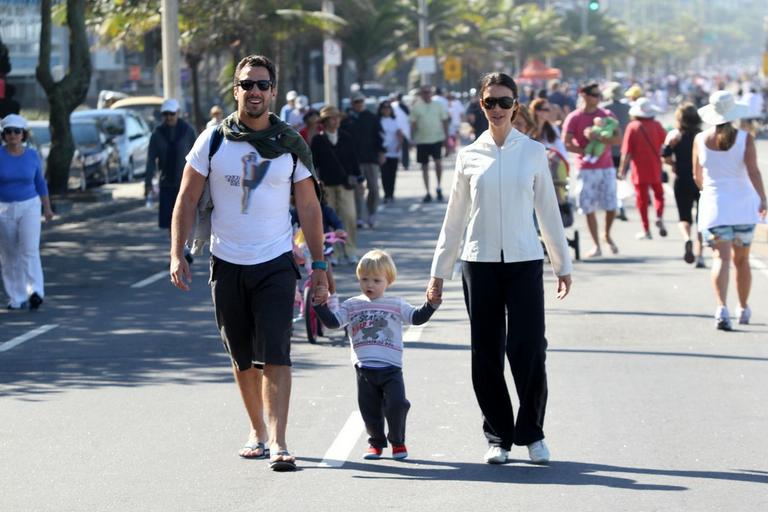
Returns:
(128, 132)
(95, 161)
(148, 107)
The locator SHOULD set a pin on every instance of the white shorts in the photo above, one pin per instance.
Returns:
(596, 190)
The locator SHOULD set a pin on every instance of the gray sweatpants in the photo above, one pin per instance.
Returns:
(380, 395)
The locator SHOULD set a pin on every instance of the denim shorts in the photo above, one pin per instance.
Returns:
(741, 235)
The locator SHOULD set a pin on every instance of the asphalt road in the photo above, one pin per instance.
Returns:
(124, 400)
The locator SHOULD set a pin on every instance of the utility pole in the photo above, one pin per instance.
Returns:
(330, 71)
(426, 78)
(171, 53)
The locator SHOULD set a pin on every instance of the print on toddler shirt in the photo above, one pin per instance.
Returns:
(253, 173)
(374, 326)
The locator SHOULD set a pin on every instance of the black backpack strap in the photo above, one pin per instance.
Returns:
(217, 137)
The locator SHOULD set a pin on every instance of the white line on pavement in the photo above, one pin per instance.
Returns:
(758, 264)
(339, 451)
(151, 279)
(18, 340)
(413, 333)
(414, 207)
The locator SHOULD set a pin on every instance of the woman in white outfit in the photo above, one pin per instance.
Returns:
(22, 190)
(500, 180)
(732, 199)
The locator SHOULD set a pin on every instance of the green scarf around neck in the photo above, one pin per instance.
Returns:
(280, 138)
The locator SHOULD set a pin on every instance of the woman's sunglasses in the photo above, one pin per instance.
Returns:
(505, 102)
(247, 85)
(16, 131)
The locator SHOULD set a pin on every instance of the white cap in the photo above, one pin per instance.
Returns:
(14, 121)
(291, 95)
(170, 105)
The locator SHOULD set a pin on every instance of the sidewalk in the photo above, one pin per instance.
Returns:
(124, 196)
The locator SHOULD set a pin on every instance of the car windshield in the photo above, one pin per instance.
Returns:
(85, 134)
(41, 134)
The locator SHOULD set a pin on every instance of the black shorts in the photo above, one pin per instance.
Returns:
(424, 151)
(254, 309)
(686, 197)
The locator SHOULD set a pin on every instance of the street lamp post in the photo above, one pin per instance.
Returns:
(426, 78)
(171, 56)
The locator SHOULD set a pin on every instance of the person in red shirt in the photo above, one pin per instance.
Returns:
(595, 181)
(641, 147)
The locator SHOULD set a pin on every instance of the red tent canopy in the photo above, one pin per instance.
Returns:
(537, 70)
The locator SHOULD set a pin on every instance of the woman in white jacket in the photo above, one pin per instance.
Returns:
(500, 180)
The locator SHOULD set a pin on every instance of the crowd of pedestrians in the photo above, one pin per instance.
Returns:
(502, 206)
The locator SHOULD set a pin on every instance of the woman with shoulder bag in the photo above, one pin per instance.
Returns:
(641, 147)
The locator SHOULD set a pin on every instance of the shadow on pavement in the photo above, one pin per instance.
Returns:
(556, 473)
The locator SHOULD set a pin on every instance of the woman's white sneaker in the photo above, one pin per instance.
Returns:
(744, 315)
(538, 452)
(496, 455)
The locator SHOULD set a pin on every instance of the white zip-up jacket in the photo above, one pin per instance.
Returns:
(495, 193)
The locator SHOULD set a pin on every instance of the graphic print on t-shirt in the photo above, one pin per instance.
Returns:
(253, 173)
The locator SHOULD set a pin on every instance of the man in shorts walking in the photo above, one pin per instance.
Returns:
(595, 180)
(429, 125)
(259, 161)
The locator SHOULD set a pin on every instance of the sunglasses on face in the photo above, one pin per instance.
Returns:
(544, 109)
(593, 94)
(505, 102)
(247, 85)
(15, 131)
(169, 114)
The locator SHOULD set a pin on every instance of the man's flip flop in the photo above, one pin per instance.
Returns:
(246, 452)
(283, 464)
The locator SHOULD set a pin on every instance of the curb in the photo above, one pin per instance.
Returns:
(94, 211)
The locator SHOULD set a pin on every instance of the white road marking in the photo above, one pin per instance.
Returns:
(758, 264)
(151, 279)
(413, 333)
(414, 207)
(339, 451)
(18, 340)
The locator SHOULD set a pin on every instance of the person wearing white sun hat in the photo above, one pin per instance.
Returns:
(732, 199)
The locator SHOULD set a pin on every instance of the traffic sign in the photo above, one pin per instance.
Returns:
(765, 64)
(452, 69)
(332, 52)
(425, 60)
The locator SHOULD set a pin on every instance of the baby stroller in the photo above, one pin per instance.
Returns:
(558, 167)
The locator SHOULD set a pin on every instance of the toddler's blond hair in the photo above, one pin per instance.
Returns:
(377, 262)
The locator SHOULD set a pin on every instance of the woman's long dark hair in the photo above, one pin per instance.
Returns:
(687, 118)
(547, 132)
(381, 107)
(503, 79)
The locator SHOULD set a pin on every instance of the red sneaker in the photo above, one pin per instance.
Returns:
(399, 451)
(372, 453)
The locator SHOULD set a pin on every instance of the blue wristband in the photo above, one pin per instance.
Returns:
(319, 265)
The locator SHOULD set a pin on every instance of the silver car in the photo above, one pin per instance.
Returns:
(128, 132)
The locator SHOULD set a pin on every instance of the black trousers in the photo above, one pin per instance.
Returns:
(388, 174)
(380, 395)
(490, 291)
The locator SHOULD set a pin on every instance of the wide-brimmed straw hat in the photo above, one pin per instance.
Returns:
(643, 107)
(722, 108)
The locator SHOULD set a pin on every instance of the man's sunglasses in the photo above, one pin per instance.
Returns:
(17, 131)
(169, 113)
(247, 85)
(505, 102)
(593, 94)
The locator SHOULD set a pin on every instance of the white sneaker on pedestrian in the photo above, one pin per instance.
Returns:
(744, 315)
(496, 455)
(722, 319)
(538, 452)
(644, 235)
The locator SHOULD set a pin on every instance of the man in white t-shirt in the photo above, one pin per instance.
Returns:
(253, 275)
